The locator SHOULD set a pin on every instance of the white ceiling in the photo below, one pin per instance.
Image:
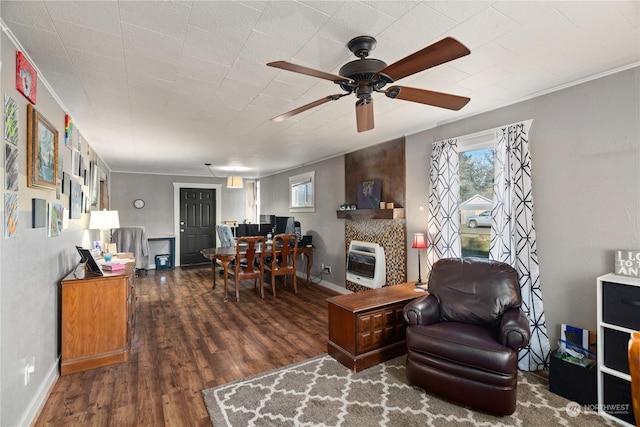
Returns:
(163, 87)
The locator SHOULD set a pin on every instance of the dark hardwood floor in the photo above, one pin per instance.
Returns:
(188, 339)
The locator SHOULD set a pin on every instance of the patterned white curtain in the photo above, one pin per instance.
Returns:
(251, 211)
(443, 222)
(513, 234)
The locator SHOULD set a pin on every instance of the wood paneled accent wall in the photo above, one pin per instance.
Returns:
(386, 162)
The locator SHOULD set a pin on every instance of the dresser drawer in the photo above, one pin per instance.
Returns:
(617, 398)
(621, 305)
(616, 344)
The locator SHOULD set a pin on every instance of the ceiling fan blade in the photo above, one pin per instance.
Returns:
(364, 115)
(429, 97)
(438, 53)
(306, 107)
(284, 65)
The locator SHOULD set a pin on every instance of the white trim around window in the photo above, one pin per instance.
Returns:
(302, 192)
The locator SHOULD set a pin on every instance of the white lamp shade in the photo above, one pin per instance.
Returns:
(104, 220)
(234, 181)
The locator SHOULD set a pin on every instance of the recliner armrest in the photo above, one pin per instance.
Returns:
(422, 311)
(514, 329)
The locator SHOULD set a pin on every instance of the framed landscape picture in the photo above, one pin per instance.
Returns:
(42, 151)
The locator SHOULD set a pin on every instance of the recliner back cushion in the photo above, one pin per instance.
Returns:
(474, 290)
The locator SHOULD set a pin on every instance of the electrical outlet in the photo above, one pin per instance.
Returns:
(29, 369)
(326, 269)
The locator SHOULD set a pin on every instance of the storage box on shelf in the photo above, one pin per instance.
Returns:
(577, 383)
(618, 308)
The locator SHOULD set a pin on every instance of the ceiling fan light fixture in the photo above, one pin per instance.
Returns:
(367, 75)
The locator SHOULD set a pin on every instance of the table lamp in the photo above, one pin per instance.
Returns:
(419, 242)
(104, 220)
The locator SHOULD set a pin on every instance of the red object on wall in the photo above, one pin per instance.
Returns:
(26, 78)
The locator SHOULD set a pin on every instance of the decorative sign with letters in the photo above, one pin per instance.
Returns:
(628, 263)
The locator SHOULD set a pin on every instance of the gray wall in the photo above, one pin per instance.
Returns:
(586, 174)
(158, 214)
(585, 149)
(327, 230)
(31, 268)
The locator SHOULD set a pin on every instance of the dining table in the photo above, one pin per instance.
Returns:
(226, 254)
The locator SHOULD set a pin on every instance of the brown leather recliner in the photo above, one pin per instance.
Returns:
(463, 338)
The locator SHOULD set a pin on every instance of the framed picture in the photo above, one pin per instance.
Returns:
(75, 162)
(369, 194)
(26, 78)
(75, 200)
(10, 215)
(42, 151)
(10, 167)
(55, 219)
(68, 130)
(10, 120)
(66, 183)
(38, 213)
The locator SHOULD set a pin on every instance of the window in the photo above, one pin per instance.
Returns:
(302, 192)
(476, 174)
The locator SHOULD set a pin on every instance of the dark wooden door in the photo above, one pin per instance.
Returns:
(197, 224)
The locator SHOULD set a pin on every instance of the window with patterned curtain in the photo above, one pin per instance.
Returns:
(512, 236)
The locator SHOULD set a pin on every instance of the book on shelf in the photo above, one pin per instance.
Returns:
(111, 266)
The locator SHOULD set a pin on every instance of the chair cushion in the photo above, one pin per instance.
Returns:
(471, 346)
(474, 290)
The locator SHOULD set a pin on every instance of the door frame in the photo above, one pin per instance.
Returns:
(177, 186)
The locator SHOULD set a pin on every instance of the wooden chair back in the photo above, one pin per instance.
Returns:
(247, 256)
(287, 248)
(283, 260)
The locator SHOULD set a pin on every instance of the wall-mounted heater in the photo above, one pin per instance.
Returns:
(365, 264)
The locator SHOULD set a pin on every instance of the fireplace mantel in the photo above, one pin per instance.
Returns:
(394, 213)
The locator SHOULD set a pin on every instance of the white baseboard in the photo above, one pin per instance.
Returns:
(334, 287)
(37, 403)
(328, 285)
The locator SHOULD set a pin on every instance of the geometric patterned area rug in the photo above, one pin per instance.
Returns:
(322, 392)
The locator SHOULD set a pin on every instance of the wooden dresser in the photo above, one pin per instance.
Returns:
(97, 318)
(366, 328)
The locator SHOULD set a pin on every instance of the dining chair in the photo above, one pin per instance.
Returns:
(249, 262)
(283, 259)
(225, 234)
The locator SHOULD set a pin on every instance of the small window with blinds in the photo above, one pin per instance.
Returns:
(302, 192)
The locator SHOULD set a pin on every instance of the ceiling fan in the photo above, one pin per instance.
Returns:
(367, 75)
